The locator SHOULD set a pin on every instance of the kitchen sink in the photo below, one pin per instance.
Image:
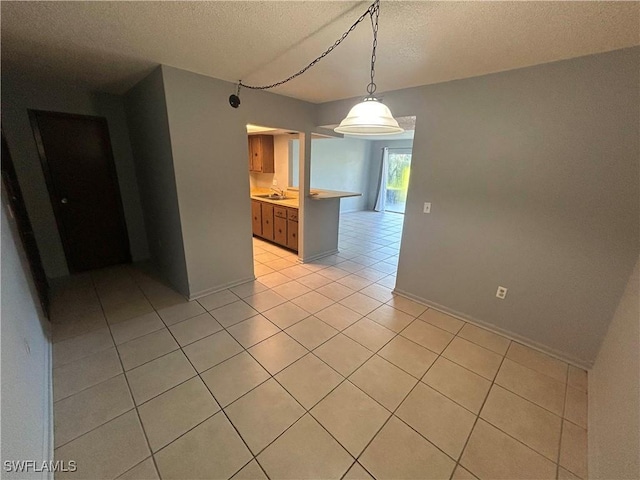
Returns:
(272, 196)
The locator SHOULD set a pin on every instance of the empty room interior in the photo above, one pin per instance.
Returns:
(320, 240)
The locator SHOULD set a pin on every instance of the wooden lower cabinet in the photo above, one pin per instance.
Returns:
(292, 235)
(256, 217)
(267, 221)
(280, 230)
(275, 223)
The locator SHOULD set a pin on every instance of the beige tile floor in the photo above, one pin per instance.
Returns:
(312, 371)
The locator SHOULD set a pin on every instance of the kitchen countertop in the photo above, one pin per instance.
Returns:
(292, 200)
(324, 194)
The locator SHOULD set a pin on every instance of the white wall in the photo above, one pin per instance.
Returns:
(27, 429)
(20, 93)
(533, 179)
(294, 162)
(614, 393)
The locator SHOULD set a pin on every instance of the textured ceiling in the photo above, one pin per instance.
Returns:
(109, 46)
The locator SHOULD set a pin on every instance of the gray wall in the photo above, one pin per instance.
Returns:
(342, 164)
(614, 393)
(21, 93)
(533, 178)
(209, 145)
(376, 166)
(151, 143)
(27, 428)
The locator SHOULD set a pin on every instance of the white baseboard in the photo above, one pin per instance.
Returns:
(351, 210)
(578, 362)
(319, 256)
(219, 288)
(48, 430)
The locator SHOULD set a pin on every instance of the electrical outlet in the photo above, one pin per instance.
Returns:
(275, 182)
(501, 293)
(427, 207)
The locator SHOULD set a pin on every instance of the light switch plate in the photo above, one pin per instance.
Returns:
(427, 207)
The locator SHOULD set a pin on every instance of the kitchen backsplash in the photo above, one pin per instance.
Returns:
(264, 180)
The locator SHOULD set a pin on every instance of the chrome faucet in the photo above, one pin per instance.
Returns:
(279, 191)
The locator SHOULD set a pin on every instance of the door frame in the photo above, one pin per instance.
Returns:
(24, 227)
(55, 198)
(398, 151)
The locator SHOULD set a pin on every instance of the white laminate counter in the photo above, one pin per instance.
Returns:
(320, 194)
(324, 194)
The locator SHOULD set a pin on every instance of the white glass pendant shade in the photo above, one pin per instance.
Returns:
(369, 117)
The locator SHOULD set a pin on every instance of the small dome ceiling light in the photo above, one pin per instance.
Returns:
(370, 117)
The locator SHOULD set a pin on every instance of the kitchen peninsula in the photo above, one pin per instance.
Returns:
(277, 220)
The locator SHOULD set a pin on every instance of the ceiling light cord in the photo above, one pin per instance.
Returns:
(373, 11)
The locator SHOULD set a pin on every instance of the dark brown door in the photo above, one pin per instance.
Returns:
(19, 213)
(76, 156)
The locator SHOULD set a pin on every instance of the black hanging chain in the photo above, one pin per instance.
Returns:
(374, 12)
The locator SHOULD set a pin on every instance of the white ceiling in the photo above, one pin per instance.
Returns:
(109, 46)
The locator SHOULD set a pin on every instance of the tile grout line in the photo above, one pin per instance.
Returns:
(198, 375)
(180, 346)
(466, 443)
(396, 334)
(276, 380)
(308, 411)
(345, 379)
(564, 407)
(126, 379)
(273, 376)
(393, 414)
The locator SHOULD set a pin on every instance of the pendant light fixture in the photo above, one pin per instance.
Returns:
(370, 117)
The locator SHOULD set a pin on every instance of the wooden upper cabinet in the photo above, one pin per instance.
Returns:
(261, 154)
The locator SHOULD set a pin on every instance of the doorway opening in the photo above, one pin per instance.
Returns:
(274, 203)
(395, 155)
(18, 211)
(398, 173)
